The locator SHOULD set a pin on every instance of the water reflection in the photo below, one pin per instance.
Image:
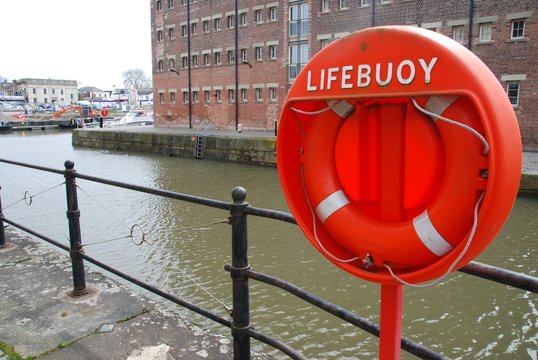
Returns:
(463, 317)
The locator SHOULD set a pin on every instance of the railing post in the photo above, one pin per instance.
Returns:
(2, 233)
(75, 239)
(240, 292)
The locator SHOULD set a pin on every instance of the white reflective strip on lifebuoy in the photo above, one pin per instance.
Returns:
(429, 235)
(341, 108)
(331, 204)
(438, 104)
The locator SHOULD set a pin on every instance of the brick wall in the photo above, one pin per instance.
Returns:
(508, 59)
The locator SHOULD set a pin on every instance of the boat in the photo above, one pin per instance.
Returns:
(6, 126)
(133, 118)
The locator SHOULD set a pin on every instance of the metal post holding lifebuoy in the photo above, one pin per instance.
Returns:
(390, 336)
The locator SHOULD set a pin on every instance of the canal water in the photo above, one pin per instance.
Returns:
(463, 317)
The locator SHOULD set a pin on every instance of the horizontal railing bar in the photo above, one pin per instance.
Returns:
(346, 315)
(129, 278)
(285, 348)
(164, 193)
(35, 167)
(271, 214)
(503, 276)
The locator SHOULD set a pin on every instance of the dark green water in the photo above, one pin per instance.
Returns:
(464, 317)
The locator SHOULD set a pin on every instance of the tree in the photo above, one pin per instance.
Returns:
(136, 79)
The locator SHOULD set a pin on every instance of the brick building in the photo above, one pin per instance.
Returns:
(276, 38)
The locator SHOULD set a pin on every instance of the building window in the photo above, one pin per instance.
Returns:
(365, 3)
(184, 2)
(324, 5)
(206, 60)
(231, 56)
(244, 95)
(218, 97)
(159, 5)
(231, 95)
(172, 97)
(207, 97)
(259, 53)
(170, 4)
(272, 52)
(216, 24)
(230, 21)
(272, 94)
(273, 13)
(485, 32)
(171, 64)
(159, 35)
(184, 62)
(386, 1)
(33, 91)
(194, 61)
(161, 98)
(243, 19)
(160, 65)
(298, 24)
(185, 97)
(298, 57)
(205, 26)
(244, 55)
(217, 58)
(512, 90)
(194, 27)
(518, 29)
(458, 33)
(195, 97)
(258, 17)
(259, 94)
(184, 32)
(45, 100)
(171, 33)
(61, 91)
(342, 4)
(324, 42)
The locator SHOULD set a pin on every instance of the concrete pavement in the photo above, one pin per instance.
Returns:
(39, 318)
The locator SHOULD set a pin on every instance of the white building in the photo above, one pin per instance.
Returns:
(48, 91)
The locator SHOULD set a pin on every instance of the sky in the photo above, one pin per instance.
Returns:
(92, 42)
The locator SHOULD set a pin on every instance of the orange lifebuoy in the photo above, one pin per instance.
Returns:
(383, 227)
(376, 175)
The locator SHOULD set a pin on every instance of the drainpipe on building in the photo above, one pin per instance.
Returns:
(189, 60)
(373, 13)
(236, 66)
(471, 16)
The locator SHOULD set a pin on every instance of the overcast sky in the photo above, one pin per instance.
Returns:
(91, 42)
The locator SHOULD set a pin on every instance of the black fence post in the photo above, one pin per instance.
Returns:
(2, 233)
(240, 291)
(75, 239)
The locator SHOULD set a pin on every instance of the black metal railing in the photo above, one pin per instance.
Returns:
(240, 270)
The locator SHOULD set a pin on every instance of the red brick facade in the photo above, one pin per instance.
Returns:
(502, 33)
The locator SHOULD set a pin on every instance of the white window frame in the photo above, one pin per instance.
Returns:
(259, 94)
(485, 32)
(258, 51)
(512, 28)
(517, 90)
(258, 16)
(272, 94)
(273, 13)
(325, 6)
(244, 95)
(458, 33)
